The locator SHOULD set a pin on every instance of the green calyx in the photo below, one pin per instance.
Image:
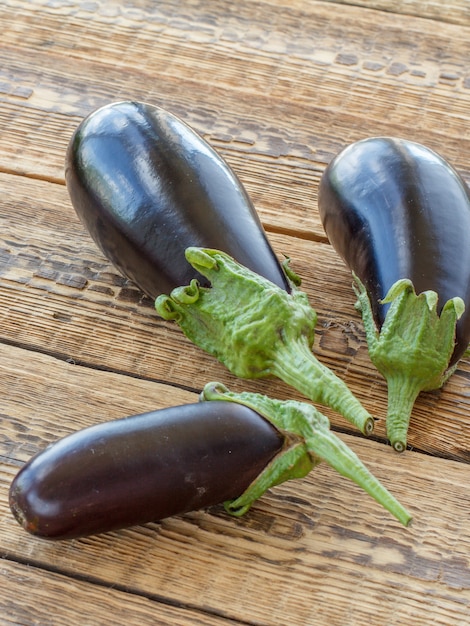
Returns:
(257, 329)
(308, 441)
(412, 350)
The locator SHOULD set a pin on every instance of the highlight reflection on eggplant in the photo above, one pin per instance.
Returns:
(171, 215)
(227, 448)
(399, 215)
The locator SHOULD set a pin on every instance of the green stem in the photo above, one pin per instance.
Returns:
(402, 393)
(257, 330)
(413, 348)
(307, 441)
(296, 365)
(347, 463)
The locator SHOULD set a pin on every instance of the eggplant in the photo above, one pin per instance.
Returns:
(147, 187)
(227, 448)
(142, 468)
(169, 212)
(399, 216)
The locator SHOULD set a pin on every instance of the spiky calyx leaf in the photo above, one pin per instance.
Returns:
(257, 329)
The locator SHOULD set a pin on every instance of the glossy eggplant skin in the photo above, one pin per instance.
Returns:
(147, 187)
(395, 209)
(142, 468)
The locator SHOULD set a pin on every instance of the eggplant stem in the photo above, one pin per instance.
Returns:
(341, 458)
(256, 329)
(307, 441)
(402, 394)
(413, 349)
(296, 365)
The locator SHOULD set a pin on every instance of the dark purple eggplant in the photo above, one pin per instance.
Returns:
(227, 448)
(158, 200)
(399, 216)
(147, 187)
(142, 468)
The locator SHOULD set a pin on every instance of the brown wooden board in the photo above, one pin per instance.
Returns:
(310, 543)
(278, 88)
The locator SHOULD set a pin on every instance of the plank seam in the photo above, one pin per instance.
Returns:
(153, 597)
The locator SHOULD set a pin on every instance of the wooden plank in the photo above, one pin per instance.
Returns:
(278, 87)
(43, 592)
(278, 106)
(56, 289)
(320, 546)
(452, 11)
(67, 397)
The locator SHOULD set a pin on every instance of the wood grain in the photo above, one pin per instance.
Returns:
(278, 87)
(53, 305)
(332, 71)
(314, 538)
(454, 11)
(42, 602)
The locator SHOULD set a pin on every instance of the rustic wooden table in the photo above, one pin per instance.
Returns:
(278, 87)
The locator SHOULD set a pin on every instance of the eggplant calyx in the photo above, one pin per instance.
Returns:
(412, 350)
(256, 329)
(289, 272)
(188, 293)
(308, 441)
(168, 310)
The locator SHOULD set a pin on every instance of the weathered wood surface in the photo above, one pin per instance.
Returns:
(310, 552)
(277, 87)
(454, 12)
